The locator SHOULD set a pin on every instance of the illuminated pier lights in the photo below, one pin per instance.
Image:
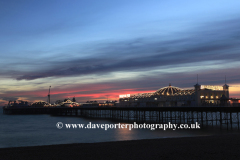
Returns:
(199, 95)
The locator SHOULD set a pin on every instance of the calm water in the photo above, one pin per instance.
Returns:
(33, 130)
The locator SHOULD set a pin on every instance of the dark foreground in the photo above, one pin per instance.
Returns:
(212, 147)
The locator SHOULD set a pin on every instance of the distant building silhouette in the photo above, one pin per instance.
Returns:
(74, 100)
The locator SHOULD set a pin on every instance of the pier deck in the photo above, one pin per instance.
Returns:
(223, 117)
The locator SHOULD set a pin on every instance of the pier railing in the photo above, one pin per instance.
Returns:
(223, 117)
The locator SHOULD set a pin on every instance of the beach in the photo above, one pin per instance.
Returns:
(204, 147)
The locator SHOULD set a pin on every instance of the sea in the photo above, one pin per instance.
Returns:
(38, 130)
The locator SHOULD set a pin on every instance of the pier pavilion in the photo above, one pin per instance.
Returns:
(200, 95)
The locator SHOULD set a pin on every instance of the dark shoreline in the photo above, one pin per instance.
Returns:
(204, 147)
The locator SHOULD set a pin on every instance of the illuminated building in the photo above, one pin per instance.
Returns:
(200, 95)
(97, 104)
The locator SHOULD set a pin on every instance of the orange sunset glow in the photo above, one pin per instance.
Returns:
(102, 54)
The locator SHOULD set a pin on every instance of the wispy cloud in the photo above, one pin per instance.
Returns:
(208, 43)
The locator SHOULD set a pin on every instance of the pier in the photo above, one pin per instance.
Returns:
(222, 117)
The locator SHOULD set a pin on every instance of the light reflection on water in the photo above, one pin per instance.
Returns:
(33, 130)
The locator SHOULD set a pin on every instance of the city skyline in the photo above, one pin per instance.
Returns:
(93, 50)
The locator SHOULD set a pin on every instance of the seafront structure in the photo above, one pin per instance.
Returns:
(200, 95)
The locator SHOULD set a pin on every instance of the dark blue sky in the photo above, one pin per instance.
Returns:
(90, 49)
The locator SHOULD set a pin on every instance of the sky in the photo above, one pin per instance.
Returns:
(95, 50)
